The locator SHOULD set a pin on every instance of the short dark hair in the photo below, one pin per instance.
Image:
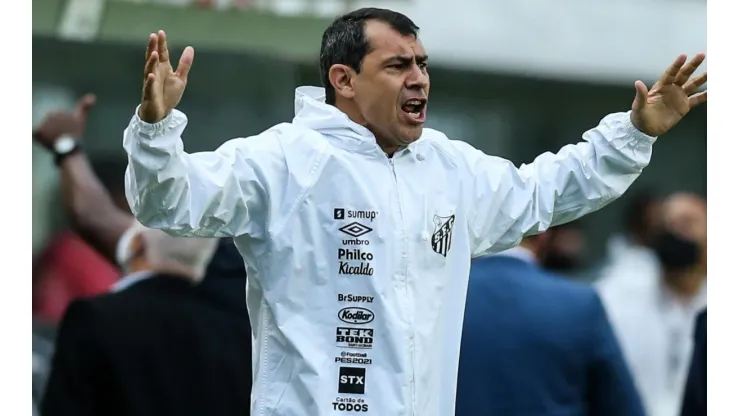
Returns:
(344, 41)
(636, 213)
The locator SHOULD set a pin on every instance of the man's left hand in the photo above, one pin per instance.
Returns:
(656, 111)
(61, 123)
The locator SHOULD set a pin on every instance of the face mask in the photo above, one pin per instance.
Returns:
(674, 252)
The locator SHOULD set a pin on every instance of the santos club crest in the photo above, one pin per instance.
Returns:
(442, 237)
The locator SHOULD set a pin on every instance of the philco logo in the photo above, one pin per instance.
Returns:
(356, 316)
(364, 267)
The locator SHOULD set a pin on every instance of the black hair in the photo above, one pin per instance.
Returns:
(636, 213)
(344, 41)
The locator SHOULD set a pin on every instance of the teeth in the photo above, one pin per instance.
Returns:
(413, 102)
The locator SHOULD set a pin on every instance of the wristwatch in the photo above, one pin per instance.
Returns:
(65, 146)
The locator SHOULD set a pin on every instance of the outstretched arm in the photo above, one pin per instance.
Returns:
(508, 203)
(223, 193)
(88, 205)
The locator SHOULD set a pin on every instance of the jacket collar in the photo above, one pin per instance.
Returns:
(312, 112)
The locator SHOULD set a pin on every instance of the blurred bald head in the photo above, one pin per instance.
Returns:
(146, 249)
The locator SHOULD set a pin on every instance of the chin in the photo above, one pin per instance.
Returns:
(410, 134)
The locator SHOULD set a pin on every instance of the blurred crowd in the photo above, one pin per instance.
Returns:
(123, 313)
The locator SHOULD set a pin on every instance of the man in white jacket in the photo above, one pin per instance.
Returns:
(357, 225)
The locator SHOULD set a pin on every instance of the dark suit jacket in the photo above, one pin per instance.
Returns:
(158, 348)
(225, 281)
(534, 344)
(695, 395)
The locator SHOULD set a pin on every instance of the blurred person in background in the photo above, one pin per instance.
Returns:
(565, 250)
(356, 187)
(155, 346)
(654, 323)
(536, 344)
(69, 268)
(695, 392)
(631, 260)
(97, 216)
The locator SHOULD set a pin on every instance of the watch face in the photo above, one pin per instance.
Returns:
(64, 145)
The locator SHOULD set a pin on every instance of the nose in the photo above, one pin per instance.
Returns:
(417, 78)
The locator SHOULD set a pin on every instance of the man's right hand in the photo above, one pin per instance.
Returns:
(163, 86)
(60, 123)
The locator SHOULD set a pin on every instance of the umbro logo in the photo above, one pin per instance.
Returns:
(355, 229)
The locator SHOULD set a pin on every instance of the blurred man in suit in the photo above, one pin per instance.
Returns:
(695, 393)
(536, 344)
(160, 344)
(155, 346)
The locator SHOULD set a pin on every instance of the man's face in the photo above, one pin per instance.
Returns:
(392, 89)
(686, 216)
(682, 241)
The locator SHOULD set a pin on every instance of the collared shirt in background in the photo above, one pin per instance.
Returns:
(655, 330)
(130, 280)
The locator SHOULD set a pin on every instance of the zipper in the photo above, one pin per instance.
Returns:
(412, 387)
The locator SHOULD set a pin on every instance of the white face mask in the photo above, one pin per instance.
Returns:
(124, 247)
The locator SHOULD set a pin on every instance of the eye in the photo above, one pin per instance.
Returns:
(398, 66)
(423, 66)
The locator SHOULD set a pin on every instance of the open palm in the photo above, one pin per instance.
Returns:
(657, 110)
(163, 86)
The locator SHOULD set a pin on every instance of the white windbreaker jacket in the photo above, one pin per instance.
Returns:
(358, 263)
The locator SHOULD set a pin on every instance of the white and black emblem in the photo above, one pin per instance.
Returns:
(355, 229)
(442, 237)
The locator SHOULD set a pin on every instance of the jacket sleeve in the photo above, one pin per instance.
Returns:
(508, 204)
(224, 193)
(611, 388)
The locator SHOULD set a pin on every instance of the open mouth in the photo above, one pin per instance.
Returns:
(415, 109)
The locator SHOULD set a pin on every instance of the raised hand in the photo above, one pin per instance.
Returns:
(163, 86)
(64, 123)
(656, 111)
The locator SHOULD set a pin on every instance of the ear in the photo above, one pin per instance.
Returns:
(340, 77)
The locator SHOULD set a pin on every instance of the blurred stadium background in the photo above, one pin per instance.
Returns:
(513, 78)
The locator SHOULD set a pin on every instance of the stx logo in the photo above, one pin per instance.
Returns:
(351, 380)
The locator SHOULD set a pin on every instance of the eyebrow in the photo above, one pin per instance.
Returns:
(405, 59)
